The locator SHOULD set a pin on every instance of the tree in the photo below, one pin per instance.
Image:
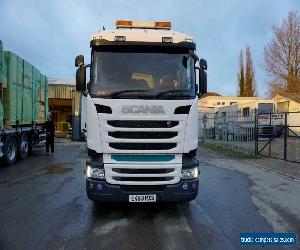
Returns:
(246, 79)
(282, 56)
(250, 75)
(240, 76)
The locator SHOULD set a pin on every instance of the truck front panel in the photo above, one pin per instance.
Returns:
(141, 143)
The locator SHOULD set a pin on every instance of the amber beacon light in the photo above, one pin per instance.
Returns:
(143, 25)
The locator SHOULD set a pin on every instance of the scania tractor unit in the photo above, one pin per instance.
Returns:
(142, 113)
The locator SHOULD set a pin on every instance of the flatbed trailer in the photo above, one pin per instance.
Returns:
(17, 143)
(23, 107)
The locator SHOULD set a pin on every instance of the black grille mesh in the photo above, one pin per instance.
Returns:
(142, 135)
(142, 124)
(142, 146)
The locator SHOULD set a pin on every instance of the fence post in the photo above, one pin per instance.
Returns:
(285, 136)
(270, 135)
(255, 132)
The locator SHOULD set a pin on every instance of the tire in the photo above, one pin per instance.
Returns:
(10, 151)
(24, 147)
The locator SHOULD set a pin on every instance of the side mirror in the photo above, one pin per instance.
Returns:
(202, 82)
(81, 79)
(203, 64)
(202, 77)
(79, 61)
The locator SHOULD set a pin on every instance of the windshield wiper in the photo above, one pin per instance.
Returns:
(118, 93)
(171, 91)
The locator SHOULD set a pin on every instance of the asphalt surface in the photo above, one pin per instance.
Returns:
(43, 205)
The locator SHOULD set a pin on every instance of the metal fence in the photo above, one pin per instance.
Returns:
(275, 135)
(278, 136)
(234, 130)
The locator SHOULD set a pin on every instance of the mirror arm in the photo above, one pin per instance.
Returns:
(85, 93)
(194, 55)
(87, 66)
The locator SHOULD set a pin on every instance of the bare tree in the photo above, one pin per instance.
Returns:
(250, 75)
(240, 76)
(282, 56)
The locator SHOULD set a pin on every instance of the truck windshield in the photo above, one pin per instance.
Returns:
(135, 72)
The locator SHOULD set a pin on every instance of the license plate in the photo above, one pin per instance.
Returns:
(142, 198)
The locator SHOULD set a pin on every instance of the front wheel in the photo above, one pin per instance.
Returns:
(24, 147)
(10, 151)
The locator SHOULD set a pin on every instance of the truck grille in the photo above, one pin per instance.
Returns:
(143, 171)
(142, 135)
(145, 174)
(144, 179)
(142, 124)
(142, 146)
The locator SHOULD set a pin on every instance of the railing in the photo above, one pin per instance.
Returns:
(233, 130)
(282, 140)
(275, 135)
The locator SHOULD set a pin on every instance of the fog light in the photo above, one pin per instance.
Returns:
(97, 173)
(99, 186)
(190, 173)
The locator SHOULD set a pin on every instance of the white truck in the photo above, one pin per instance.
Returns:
(142, 113)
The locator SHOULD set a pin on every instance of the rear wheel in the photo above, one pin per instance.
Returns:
(24, 147)
(10, 151)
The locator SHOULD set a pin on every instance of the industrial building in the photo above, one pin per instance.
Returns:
(288, 102)
(64, 106)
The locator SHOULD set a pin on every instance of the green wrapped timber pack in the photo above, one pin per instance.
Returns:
(3, 71)
(43, 99)
(25, 97)
(3, 82)
(1, 115)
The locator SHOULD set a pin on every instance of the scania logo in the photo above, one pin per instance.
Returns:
(145, 109)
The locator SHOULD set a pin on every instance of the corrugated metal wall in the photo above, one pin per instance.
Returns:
(61, 91)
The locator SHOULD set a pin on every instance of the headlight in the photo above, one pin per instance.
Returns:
(95, 172)
(190, 173)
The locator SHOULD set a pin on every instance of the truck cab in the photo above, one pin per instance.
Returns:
(142, 113)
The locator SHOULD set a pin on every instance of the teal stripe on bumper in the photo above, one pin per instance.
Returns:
(146, 158)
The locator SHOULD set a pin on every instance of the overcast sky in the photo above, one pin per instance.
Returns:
(49, 34)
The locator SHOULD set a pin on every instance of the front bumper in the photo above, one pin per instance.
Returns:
(101, 191)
